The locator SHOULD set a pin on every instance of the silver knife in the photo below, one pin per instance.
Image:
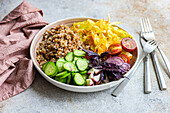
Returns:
(159, 74)
(165, 59)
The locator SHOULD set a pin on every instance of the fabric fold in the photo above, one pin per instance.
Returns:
(18, 29)
(22, 9)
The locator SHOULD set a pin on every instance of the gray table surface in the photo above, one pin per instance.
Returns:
(43, 97)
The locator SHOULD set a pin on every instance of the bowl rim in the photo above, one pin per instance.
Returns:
(74, 86)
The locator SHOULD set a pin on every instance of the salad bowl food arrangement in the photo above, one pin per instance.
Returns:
(84, 54)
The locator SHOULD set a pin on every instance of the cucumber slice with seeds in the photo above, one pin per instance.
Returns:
(78, 79)
(60, 66)
(69, 57)
(61, 59)
(76, 58)
(76, 70)
(44, 65)
(61, 74)
(55, 73)
(79, 53)
(50, 69)
(82, 64)
(74, 62)
(69, 66)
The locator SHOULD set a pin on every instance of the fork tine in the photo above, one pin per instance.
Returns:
(150, 41)
(141, 23)
(149, 25)
(146, 25)
(154, 43)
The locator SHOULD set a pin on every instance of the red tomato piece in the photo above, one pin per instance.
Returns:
(115, 49)
(125, 58)
(128, 44)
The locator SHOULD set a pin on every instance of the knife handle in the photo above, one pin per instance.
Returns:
(159, 74)
(147, 77)
(121, 86)
(165, 59)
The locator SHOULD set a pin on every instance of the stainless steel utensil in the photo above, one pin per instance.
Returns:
(147, 76)
(148, 34)
(148, 47)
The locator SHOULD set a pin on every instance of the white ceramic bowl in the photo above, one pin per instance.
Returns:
(69, 22)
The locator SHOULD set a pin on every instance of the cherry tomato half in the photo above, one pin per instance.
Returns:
(128, 44)
(115, 49)
(125, 58)
(127, 53)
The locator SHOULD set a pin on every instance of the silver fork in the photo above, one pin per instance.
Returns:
(148, 34)
(147, 77)
(148, 47)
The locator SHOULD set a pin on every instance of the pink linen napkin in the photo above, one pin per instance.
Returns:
(17, 30)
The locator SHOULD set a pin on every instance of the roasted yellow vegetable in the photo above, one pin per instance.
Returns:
(100, 34)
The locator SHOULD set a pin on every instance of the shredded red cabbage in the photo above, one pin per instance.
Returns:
(112, 68)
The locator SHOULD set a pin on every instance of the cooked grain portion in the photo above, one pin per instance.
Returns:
(56, 43)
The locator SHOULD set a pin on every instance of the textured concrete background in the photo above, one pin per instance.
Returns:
(43, 97)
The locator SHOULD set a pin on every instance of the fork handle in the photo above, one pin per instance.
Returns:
(165, 59)
(159, 74)
(147, 77)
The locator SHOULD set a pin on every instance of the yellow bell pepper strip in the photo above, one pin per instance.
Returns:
(100, 34)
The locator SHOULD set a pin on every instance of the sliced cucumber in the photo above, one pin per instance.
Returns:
(44, 65)
(76, 70)
(61, 59)
(76, 58)
(50, 69)
(85, 76)
(79, 53)
(84, 59)
(69, 66)
(60, 66)
(73, 74)
(69, 57)
(82, 64)
(83, 72)
(78, 79)
(61, 74)
(74, 62)
(60, 80)
(64, 76)
(55, 72)
(68, 79)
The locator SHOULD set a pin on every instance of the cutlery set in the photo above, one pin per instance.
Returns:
(149, 44)
(148, 34)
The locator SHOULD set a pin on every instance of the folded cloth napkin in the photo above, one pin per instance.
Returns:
(17, 30)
